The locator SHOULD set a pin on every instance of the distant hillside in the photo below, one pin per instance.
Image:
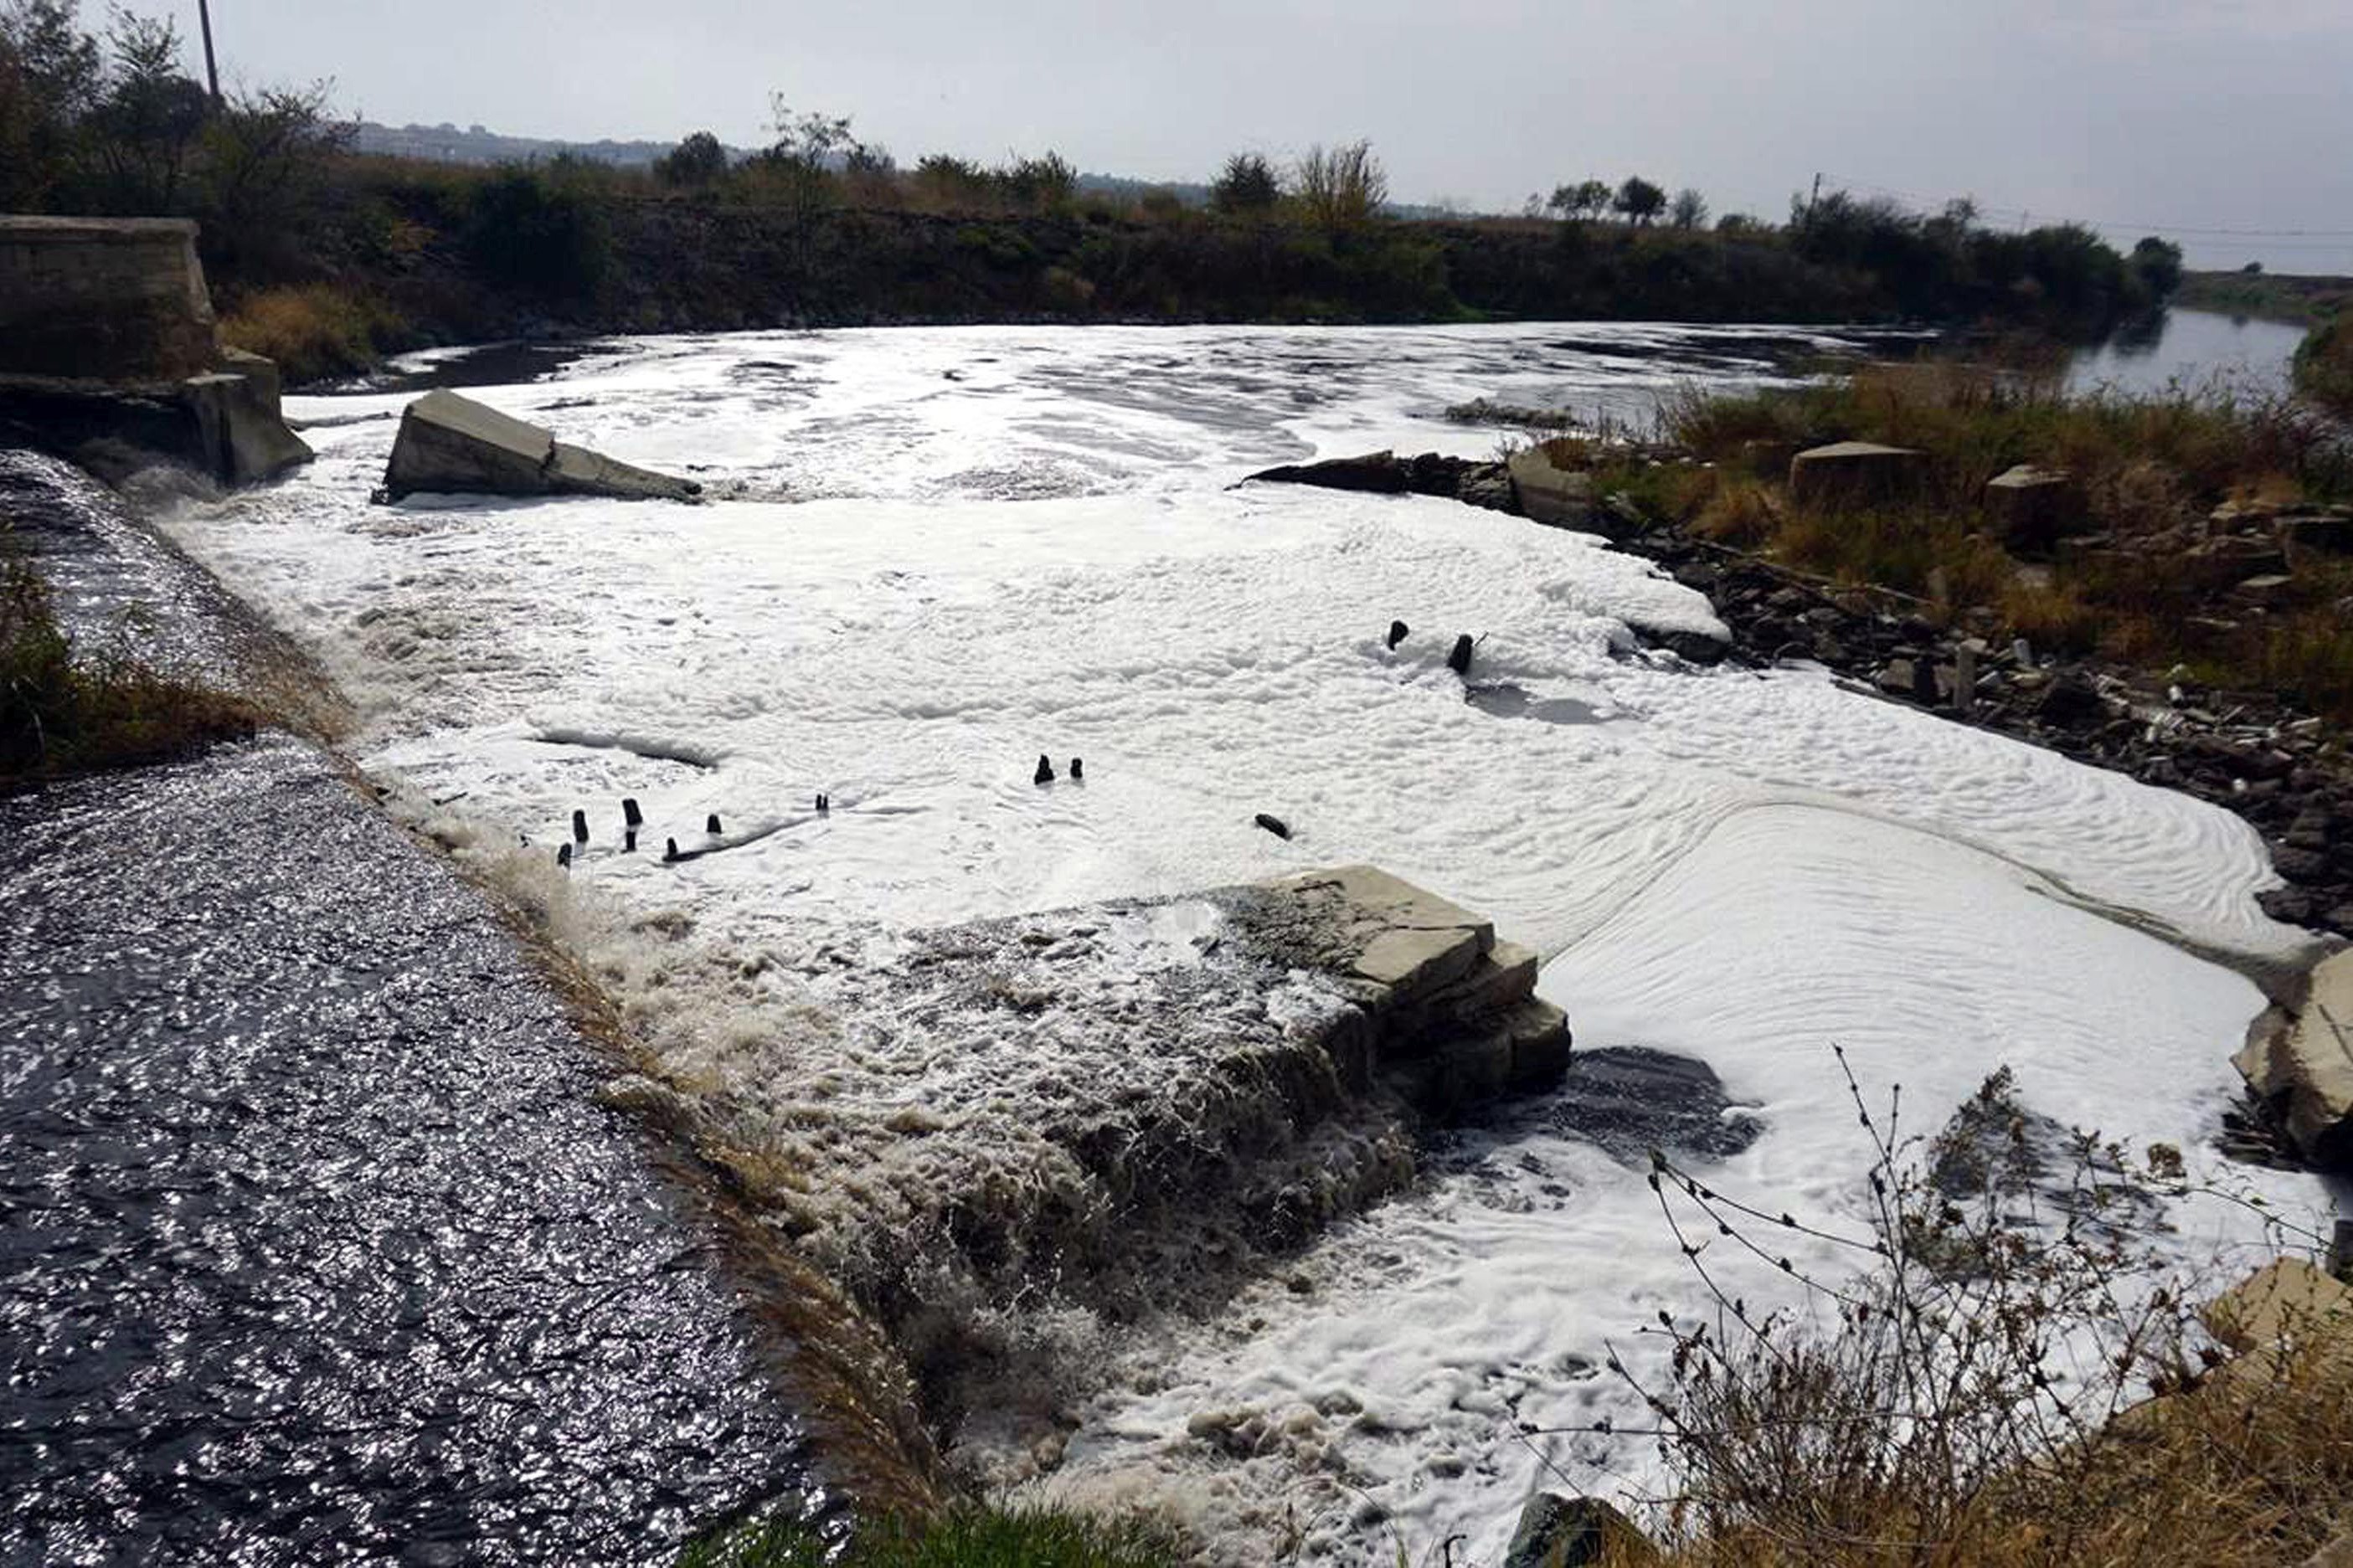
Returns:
(2272, 296)
(480, 146)
(474, 145)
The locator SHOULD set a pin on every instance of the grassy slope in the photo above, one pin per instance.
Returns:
(2271, 296)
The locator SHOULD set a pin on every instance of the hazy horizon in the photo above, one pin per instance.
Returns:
(2126, 114)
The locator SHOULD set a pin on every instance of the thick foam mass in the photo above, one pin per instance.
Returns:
(955, 551)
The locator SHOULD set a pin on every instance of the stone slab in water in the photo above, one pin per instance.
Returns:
(454, 445)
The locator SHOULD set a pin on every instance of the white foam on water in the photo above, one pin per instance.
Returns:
(973, 546)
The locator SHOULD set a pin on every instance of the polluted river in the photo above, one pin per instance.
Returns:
(337, 1226)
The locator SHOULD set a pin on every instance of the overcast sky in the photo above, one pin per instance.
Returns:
(2220, 115)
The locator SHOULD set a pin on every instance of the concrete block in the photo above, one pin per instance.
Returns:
(455, 444)
(1548, 493)
(112, 300)
(238, 424)
(1855, 473)
(2030, 508)
(1541, 1043)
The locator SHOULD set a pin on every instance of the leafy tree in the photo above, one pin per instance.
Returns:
(796, 171)
(535, 229)
(1248, 183)
(1588, 198)
(2157, 264)
(1039, 185)
(263, 179)
(1640, 200)
(694, 162)
(1342, 187)
(144, 130)
(1690, 209)
(49, 74)
(951, 181)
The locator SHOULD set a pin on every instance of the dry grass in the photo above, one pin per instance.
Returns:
(2150, 469)
(2323, 364)
(62, 714)
(2225, 1477)
(312, 332)
(2011, 1379)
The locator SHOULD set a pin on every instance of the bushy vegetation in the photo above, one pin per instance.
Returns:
(2012, 1373)
(966, 1537)
(2149, 470)
(64, 713)
(113, 124)
(2306, 302)
(2324, 363)
(824, 226)
(313, 331)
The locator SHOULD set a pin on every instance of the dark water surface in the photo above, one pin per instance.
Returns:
(2191, 350)
(313, 1246)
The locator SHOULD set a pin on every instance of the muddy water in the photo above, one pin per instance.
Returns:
(314, 1246)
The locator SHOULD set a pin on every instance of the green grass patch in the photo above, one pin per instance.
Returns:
(61, 713)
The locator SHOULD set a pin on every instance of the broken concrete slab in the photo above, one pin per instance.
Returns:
(2286, 1298)
(1507, 973)
(238, 423)
(1540, 1042)
(453, 444)
(2301, 1066)
(1396, 935)
(1855, 473)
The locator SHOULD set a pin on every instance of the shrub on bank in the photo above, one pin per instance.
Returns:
(2323, 364)
(313, 331)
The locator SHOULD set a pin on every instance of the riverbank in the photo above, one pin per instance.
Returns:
(411, 255)
(2270, 296)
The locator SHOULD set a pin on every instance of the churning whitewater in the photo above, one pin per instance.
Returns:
(938, 554)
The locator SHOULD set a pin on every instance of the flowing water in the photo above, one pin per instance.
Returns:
(935, 554)
(314, 1246)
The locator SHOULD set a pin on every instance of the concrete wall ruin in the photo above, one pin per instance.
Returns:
(119, 299)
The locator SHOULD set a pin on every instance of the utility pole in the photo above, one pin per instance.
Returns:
(1812, 202)
(212, 70)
